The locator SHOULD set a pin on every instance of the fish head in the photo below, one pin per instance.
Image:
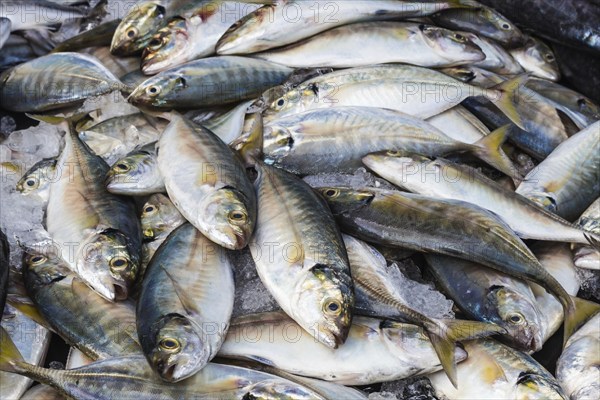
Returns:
(38, 178)
(540, 59)
(587, 107)
(451, 45)
(227, 218)
(136, 170)
(136, 28)
(177, 350)
(341, 200)
(41, 270)
(533, 386)
(324, 301)
(500, 28)
(108, 263)
(518, 315)
(246, 30)
(167, 47)
(159, 216)
(158, 90)
(295, 100)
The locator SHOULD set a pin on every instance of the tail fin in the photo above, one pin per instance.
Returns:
(489, 150)
(593, 240)
(449, 331)
(250, 144)
(577, 314)
(504, 96)
(9, 354)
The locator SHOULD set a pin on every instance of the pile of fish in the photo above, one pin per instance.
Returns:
(331, 162)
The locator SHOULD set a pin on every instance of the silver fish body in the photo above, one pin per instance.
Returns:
(586, 256)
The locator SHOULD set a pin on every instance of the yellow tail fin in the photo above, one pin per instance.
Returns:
(449, 331)
(489, 149)
(578, 314)
(9, 354)
(505, 96)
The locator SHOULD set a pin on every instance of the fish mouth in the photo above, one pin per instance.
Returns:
(169, 373)
(120, 292)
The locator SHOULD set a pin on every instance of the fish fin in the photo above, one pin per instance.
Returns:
(593, 240)
(504, 96)
(444, 338)
(9, 354)
(489, 149)
(56, 119)
(250, 147)
(31, 312)
(5, 26)
(578, 314)
(491, 371)
(188, 306)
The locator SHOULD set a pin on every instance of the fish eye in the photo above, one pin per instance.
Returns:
(281, 102)
(549, 57)
(516, 319)
(332, 193)
(237, 217)
(153, 90)
(37, 260)
(118, 263)
(393, 153)
(160, 12)
(155, 43)
(122, 167)
(131, 33)
(505, 26)
(332, 307)
(149, 209)
(31, 182)
(458, 36)
(169, 344)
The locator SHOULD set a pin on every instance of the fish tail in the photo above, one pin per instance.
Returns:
(449, 331)
(9, 354)
(593, 240)
(250, 146)
(577, 312)
(505, 97)
(489, 149)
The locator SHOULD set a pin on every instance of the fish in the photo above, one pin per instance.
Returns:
(142, 20)
(336, 138)
(99, 328)
(230, 125)
(556, 258)
(491, 296)
(38, 178)
(100, 35)
(587, 256)
(179, 322)
(481, 20)
(376, 350)
(97, 233)
(537, 57)
(447, 227)
(16, 50)
(209, 81)
(119, 134)
(413, 90)
(580, 109)
(193, 33)
(4, 268)
(577, 367)
(33, 15)
(370, 275)
(496, 58)
(131, 377)
(55, 81)
(568, 180)
(567, 23)
(42, 392)
(381, 42)
(136, 174)
(207, 183)
(443, 179)
(460, 124)
(300, 256)
(289, 21)
(499, 372)
(32, 341)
